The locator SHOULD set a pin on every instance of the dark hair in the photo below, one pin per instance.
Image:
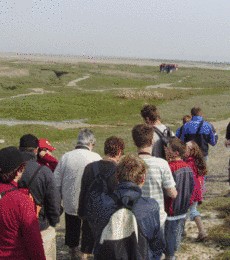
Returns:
(195, 111)
(177, 145)
(142, 135)
(150, 112)
(9, 177)
(113, 145)
(131, 168)
(28, 142)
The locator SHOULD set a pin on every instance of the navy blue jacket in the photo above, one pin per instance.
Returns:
(146, 211)
(206, 133)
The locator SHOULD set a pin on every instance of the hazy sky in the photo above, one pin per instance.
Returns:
(155, 29)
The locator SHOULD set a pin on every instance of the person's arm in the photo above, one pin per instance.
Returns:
(50, 159)
(213, 137)
(58, 175)
(52, 199)
(168, 182)
(171, 192)
(30, 231)
(85, 183)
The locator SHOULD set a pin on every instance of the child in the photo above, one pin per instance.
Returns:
(194, 158)
(177, 208)
(45, 156)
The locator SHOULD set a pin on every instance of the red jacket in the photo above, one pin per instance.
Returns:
(49, 161)
(198, 180)
(20, 237)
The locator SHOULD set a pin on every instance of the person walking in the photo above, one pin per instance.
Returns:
(177, 208)
(68, 176)
(159, 177)
(20, 236)
(151, 116)
(194, 158)
(105, 168)
(41, 184)
(200, 131)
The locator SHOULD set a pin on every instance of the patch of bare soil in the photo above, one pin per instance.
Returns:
(12, 72)
(168, 86)
(74, 82)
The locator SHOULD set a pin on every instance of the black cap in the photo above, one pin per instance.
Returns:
(28, 141)
(10, 159)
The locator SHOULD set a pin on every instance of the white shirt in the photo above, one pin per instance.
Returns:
(68, 175)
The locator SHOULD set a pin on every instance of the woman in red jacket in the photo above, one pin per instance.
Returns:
(20, 237)
(195, 159)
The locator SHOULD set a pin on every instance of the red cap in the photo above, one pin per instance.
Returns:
(44, 143)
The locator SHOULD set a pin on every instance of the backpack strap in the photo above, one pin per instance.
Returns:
(2, 194)
(33, 176)
(95, 169)
(180, 132)
(199, 127)
(159, 133)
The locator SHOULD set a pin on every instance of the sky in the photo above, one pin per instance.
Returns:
(196, 30)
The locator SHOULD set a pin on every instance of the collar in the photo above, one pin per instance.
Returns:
(197, 118)
(80, 146)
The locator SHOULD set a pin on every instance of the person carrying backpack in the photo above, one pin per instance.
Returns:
(41, 184)
(98, 176)
(162, 133)
(199, 131)
(127, 225)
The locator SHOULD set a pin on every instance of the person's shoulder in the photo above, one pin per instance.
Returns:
(147, 204)
(156, 162)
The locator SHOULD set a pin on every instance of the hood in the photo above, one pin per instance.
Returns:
(128, 193)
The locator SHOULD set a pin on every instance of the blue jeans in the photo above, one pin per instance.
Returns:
(173, 232)
(193, 212)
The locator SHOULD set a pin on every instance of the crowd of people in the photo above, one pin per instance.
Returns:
(131, 206)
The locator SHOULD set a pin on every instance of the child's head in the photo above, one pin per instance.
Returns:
(193, 150)
(176, 149)
(186, 119)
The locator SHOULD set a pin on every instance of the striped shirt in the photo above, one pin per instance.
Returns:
(159, 177)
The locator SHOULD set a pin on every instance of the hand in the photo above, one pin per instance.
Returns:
(42, 154)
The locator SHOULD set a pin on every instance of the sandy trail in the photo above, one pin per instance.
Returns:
(74, 82)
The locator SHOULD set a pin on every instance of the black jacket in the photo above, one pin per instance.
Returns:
(43, 190)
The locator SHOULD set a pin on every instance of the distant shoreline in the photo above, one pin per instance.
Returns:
(109, 60)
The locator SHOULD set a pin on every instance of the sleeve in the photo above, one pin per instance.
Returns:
(52, 199)
(51, 160)
(212, 135)
(30, 231)
(156, 242)
(178, 132)
(85, 184)
(167, 177)
(58, 175)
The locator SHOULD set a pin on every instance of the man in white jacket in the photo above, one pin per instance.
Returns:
(68, 175)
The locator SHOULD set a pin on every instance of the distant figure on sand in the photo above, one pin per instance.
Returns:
(200, 131)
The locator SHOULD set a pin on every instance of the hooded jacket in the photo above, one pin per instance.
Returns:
(146, 211)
